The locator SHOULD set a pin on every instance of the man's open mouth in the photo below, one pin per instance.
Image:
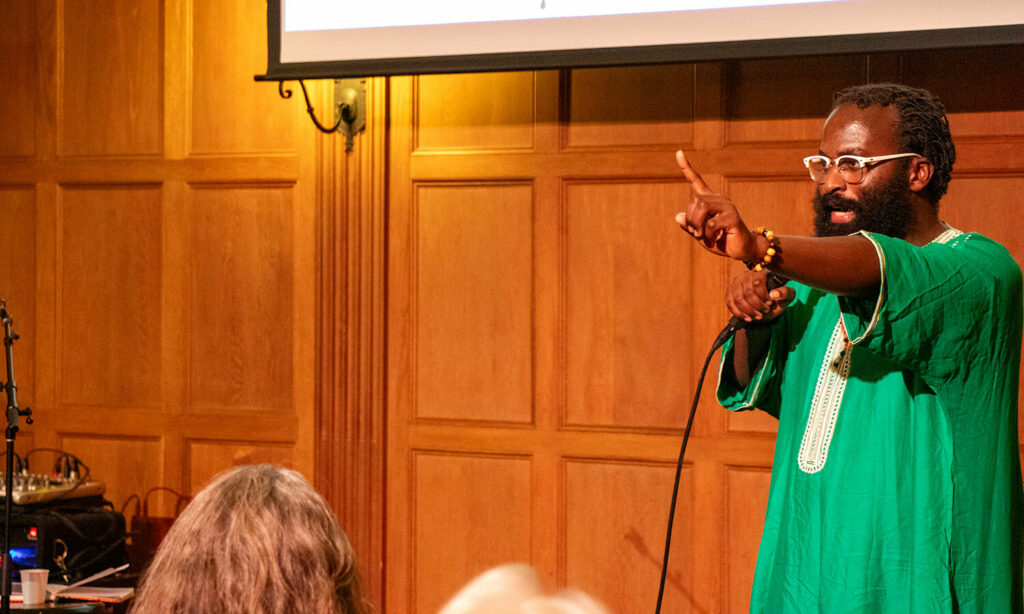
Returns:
(842, 217)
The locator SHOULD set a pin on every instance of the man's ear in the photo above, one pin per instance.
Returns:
(920, 171)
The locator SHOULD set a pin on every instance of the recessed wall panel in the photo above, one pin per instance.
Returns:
(18, 282)
(629, 307)
(19, 67)
(471, 513)
(240, 311)
(111, 101)
(988, 107)
(785, 99)
(746, 501)
(206, 458)
(475, 111)
(231, 113)
(110, 270)
(615, 535)
(631, 106)
(474, 287)
(126, 465)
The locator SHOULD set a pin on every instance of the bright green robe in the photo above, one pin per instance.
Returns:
(896, 483)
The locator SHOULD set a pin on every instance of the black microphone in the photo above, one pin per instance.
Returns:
(735, 323)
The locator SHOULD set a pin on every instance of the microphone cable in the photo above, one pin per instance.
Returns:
(735, 323)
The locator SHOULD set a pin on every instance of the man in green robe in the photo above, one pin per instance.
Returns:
(891, 362)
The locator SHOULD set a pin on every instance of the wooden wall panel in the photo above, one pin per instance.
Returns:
(780, 203)
(990, 107)
(17, 48)
(628, 286)
(604, 106)
(229, 112)
(466, 112)
(474, 292)
(17, 283)
(135, 461)
(781, 100)
(206, 458)
(110, 283)
(111, 93)
(240, 280)
(103, 229)
(746, 503)
(615, 535)
(470, 513)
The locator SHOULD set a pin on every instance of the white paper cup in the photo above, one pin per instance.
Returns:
(33, 585)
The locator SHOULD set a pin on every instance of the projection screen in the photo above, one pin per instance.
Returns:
(332, 39)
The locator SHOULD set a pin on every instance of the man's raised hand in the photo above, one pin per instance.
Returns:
(713, 220)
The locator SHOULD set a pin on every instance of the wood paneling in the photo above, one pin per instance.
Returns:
(110, 264)
(780, 203)
(111, 94)
(771, 101)
(17, 283)
(136, 461)
(746, 502)
(160, 300)
(470, 513)
(990, 107)
(474, 302)
(615, 535)
(206, 458)
(628, 283)
(622, 307)
(240, 322)
(650, 106)
(350, 393)
(467, 112)
(19, 66)
(229, 112)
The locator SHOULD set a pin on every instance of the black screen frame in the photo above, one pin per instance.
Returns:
(624, 56)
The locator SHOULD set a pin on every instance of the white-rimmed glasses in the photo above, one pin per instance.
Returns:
(851, 168)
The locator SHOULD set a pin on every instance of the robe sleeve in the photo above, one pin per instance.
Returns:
(943, 309)
(763, 391)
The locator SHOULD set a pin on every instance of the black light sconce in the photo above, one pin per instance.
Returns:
(349, 107)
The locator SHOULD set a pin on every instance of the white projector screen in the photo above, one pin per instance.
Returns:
(333, 38)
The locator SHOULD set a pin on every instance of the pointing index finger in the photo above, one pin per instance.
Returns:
(696, 181)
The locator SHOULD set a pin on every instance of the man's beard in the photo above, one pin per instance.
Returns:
(885, 210)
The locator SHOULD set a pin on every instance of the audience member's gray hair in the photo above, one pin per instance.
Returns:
(515, 589)
(258, 539)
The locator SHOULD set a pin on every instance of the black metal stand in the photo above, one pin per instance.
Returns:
(12, 429)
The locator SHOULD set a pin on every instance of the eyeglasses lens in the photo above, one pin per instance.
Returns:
(850, 169)
(818, 166)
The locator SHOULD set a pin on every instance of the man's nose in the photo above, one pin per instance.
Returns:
(833, 179)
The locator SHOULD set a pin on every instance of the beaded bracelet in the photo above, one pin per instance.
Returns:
(769, 254)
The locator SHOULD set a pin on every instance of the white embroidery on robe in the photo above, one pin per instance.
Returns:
(828, 396)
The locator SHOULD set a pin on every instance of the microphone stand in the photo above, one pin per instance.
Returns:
(12, 429)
